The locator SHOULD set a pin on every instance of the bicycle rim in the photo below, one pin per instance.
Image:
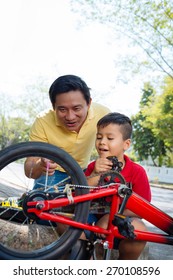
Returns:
(13, 184)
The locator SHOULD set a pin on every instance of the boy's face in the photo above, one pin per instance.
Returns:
(109, 141)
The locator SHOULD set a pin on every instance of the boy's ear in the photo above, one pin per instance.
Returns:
(127, 144)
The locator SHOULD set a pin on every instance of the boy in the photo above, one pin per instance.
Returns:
(113, 138)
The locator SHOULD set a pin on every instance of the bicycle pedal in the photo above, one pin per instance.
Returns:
(124, 225)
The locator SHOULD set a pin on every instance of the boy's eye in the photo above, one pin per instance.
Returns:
(110, 138)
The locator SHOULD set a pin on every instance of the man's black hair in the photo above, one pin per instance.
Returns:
(67, 83)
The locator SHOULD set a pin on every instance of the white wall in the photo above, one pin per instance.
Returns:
(159, 174)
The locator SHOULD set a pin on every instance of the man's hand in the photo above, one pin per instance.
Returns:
(34, 167)
(48, 166)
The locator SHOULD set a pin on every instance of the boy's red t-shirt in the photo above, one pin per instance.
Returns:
(134, 174)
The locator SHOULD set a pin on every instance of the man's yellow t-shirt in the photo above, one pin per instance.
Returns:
(48, 129)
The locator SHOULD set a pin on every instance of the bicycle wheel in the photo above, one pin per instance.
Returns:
(36, 243)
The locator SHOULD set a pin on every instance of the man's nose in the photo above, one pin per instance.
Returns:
(70, 115)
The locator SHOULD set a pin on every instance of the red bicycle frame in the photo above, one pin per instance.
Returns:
(135, 203)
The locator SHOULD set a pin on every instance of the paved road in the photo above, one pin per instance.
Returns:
(161, 198)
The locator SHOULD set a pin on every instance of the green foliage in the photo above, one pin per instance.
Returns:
(145, 143)
(94, 155)
(12, 130)
(152, 137)
(34, 100)
(146, 24)
(16, 116)
(161, 115)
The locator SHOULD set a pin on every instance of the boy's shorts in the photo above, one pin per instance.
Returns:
(92, 219)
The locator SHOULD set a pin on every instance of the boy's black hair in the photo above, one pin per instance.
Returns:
(67, 83)
(116, 118)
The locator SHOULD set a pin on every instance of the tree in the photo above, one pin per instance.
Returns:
(17, 116)
(160, 115)
(147, 24)
(34, 100)
(145, 142)
(12, 131)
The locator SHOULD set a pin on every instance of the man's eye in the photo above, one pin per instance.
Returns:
(110, 138)
(77, 109)
(61, 110)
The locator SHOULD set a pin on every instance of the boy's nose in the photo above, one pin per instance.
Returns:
(102, 141)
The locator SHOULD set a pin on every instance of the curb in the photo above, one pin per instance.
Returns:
(162, 186)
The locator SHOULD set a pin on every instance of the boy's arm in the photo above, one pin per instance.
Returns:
(93, 181)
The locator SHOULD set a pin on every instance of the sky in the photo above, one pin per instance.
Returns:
(44, 38)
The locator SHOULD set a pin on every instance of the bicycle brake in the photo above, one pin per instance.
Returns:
(124, 226)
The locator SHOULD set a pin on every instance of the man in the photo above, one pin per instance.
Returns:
(70, 125)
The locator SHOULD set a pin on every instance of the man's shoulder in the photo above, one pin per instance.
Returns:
(96, 105)
(45, 118)
(99, 108)
(46, 114)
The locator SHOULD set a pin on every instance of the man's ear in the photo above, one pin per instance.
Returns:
(89, 104)
(127, 144)
(53, 106)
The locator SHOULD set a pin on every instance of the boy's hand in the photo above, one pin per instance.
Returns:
(102, 165)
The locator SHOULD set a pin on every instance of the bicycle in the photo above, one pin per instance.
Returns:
(69, 204)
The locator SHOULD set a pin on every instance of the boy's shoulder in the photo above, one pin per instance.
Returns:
(133, 170)
(130, 163)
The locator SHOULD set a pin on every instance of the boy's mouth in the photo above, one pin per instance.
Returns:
(103, 150)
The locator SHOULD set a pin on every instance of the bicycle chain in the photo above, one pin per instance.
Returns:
(69, 187)
(95, 206)
(73, 186)
(94, 175)
(55, 187)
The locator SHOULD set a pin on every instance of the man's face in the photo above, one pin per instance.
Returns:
(71, 109)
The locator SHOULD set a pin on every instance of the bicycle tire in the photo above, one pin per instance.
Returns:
(66, 161)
